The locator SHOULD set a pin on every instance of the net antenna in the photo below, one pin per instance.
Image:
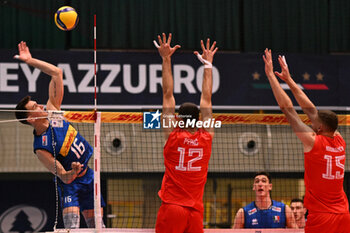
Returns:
(97, 152)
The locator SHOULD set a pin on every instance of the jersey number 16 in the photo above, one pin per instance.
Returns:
(78, 149)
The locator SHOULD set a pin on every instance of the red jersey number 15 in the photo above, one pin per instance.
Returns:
(338, 174)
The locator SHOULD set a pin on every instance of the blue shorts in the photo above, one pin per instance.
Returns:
(79, 193)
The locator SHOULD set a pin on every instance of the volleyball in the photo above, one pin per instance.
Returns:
(66, 18)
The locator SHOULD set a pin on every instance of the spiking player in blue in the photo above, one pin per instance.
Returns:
(264, 212)
(71, 150)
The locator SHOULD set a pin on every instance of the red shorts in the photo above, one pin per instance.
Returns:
(327, 223)
(178, 219)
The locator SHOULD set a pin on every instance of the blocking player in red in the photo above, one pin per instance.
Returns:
(324, 155)
(187, 150)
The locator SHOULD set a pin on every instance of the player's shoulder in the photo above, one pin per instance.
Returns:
(338, 135)
(249, 206)
(278, 203)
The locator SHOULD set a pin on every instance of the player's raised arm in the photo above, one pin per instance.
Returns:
(304, 102)
(166, 51)
(303, 132)
(207, 85)
(56, 83)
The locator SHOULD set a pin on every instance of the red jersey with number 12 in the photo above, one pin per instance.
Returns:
(324, 176)
(186, 159)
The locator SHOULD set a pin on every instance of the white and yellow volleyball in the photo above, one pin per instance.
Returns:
(66, 18)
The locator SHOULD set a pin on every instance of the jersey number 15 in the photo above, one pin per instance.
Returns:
(338, 175)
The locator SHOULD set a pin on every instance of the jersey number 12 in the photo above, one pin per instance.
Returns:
(191, 152)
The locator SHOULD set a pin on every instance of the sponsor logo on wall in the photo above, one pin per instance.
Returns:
(22, 218)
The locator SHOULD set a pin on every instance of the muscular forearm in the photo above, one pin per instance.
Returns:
(299, 95)
(67, 176)
(207, 86)
(304, 102)
(167, 79)
(45, 67)
(282, 98)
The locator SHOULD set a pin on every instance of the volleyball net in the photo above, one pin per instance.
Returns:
(129, 163)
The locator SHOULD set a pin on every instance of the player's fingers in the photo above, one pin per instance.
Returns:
(22, 45)
(283, 64)
(279, 74)
(266, 53)
(216, 49)
(213, 46)
(164, 37)
(169, 38)
(177, 46)
(284, 60)
(208, 43)
(195, 53)
(202, 45)
(280, 61)
(160, 40)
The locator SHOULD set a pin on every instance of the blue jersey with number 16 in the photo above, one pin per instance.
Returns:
(70, 146)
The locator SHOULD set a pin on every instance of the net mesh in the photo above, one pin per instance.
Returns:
(132, 163)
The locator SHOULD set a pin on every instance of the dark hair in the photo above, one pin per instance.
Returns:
(329, 119)
(189, 111)
(265, 174)
(296, 200)
(22, 106)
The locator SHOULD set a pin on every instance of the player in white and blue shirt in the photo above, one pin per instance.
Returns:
(264, 212)
(71, 150)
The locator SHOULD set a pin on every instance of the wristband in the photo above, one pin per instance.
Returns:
(207, 64)
(156, 44)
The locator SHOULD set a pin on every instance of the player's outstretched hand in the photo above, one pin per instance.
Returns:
(76, 167)
(268, 63)
(208, 51)
(164, 48)
(24, 53)
(284, 74)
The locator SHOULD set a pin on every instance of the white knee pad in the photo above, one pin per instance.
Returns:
(71, 220)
